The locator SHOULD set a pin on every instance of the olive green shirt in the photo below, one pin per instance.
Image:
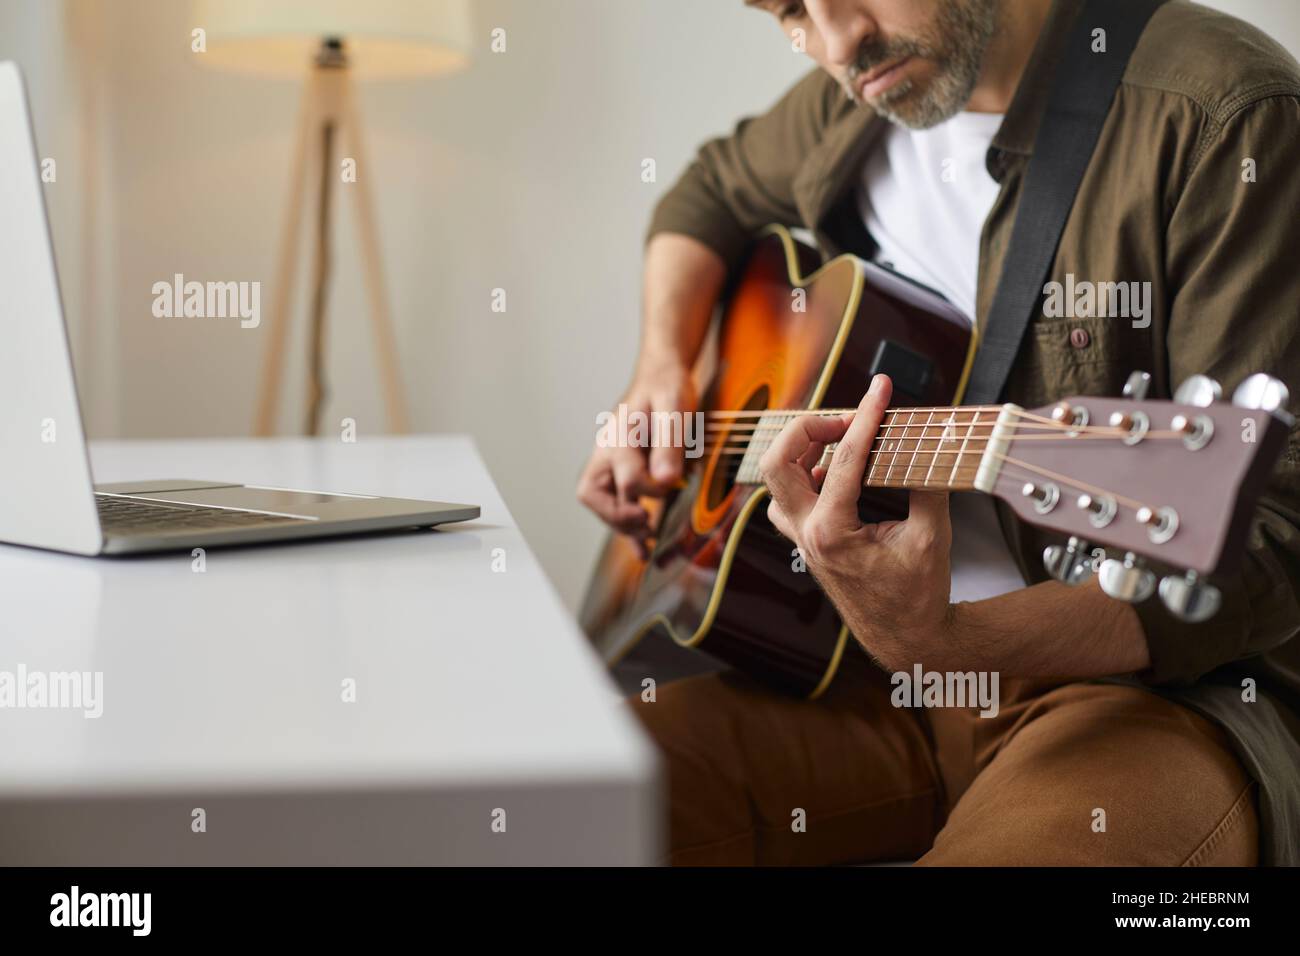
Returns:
(1195, 188)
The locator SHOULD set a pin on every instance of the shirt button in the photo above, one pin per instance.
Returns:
(1080, 338)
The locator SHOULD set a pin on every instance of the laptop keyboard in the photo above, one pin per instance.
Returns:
(130, 515)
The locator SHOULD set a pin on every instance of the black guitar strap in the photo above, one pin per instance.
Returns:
(1081, 97)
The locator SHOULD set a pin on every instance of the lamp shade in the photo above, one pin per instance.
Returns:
(381, 37)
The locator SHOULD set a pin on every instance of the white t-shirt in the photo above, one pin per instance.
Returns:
(924, 196)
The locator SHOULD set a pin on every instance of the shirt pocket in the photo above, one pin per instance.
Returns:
(1081, 356)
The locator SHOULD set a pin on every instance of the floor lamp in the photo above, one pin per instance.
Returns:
(333, 41)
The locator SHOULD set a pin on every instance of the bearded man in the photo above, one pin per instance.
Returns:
(1123, 735)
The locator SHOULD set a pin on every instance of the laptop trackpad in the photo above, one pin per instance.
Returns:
(158, 484)
(303, 504)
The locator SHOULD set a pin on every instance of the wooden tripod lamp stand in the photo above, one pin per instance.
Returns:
(335, 40)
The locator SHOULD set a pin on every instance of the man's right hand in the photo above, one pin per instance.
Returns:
(617, 475)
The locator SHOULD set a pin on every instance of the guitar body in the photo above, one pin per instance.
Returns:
(720, 578)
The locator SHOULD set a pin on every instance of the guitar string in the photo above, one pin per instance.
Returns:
(762, 430)
(954, 409)
(965, 474)
(1159, 436)
(879, 442)
(759, 412)
(796, 412)
(885, 426)
(1071, 431)
(1033, 420)
(895, 426)
(1006, 459)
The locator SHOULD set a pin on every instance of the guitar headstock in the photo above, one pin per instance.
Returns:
(1174, 482)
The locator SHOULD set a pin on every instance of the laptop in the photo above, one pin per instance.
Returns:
(47, 496)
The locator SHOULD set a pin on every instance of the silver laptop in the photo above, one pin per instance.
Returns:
(47, 497)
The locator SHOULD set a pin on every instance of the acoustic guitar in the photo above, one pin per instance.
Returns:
(796, 338)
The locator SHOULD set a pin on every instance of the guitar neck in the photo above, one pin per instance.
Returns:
(915, 448)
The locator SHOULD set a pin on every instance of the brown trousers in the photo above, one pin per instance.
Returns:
(1064, 774)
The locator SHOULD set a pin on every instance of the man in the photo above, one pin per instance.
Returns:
(1123, 736)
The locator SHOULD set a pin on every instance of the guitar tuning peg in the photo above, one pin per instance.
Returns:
(1137, 386)
(1199, 390)
(1262, 392)
(1069, 563)
(1126, 580)
(1188, 599)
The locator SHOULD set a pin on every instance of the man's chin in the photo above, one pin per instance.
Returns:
(896, 99)
(902, 99)
(905, 105)
(914, 106)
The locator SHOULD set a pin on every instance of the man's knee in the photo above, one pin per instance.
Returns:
(760, 777)
(1106, 775)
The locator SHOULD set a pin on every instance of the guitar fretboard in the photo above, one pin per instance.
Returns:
(925, 448)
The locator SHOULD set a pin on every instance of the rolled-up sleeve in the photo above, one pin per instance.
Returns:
(1233, 239)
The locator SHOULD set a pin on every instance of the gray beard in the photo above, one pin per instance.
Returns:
(957, 44)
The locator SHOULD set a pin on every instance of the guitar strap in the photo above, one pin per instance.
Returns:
(1082, 93)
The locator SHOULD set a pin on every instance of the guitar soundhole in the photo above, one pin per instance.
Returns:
(723, 477)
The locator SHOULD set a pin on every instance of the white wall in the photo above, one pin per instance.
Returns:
(521, 173)
(1279, 18)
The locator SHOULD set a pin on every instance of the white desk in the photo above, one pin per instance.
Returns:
(475, 690)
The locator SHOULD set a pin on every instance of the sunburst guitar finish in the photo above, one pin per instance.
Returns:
(719, 577)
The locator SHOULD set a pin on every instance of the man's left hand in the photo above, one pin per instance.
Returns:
(889, 581)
